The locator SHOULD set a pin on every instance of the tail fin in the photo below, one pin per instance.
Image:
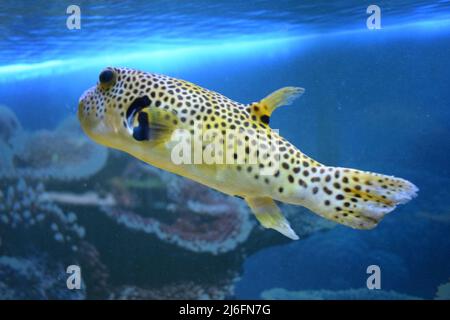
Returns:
(356, 198)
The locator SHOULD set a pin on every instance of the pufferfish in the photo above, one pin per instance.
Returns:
(139, 112)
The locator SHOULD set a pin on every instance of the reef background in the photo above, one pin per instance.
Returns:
(376, 100)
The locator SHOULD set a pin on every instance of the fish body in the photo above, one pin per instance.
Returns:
(229, 146)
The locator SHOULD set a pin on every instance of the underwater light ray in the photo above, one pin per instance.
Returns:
(16, 68)
(168, 54)
(236, 46)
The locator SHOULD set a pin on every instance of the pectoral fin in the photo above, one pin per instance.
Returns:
(269, 215)
(154, 125)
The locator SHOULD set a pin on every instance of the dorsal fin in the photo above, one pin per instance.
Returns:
(262, 110)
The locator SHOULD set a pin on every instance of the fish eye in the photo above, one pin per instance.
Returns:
(107, 78)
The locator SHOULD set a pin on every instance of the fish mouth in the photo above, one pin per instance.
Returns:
(80, 107)
(85, 94)
(82, 102)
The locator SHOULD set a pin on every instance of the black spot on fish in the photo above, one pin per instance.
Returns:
(141, 132)
(137, 105)
(265, 119)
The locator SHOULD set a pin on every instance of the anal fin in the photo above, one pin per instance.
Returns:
(269, 215)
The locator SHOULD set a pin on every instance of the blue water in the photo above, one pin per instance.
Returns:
(375, 100)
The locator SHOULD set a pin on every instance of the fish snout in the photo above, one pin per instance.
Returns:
(86, 95)
(83, 103)
(80, 109)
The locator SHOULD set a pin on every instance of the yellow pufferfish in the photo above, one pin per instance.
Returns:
(137, 112)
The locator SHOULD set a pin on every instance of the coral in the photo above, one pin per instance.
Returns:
(349, 294)
(24, 215)
(176, 291)
(70, 155)
(443, 291)
(192, 216)
(9, 124)
(89, 198)
(9, 127)
(35, 277)
(6, 159)
(21, 207)
(95, 273)
(64, 153)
